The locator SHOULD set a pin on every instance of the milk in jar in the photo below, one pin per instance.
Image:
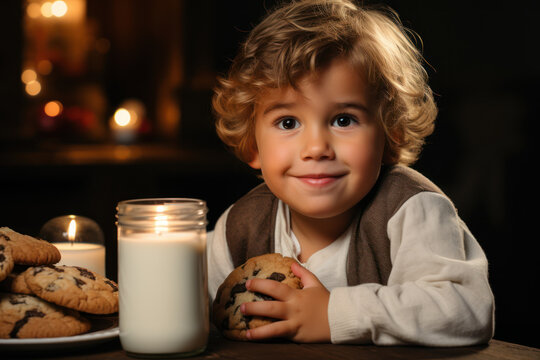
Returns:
(163, 287)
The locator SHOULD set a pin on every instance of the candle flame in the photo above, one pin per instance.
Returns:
(72, 229)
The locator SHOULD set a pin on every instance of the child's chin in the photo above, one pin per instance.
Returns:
(318, 212)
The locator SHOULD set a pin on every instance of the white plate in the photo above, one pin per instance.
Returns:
(104, 329)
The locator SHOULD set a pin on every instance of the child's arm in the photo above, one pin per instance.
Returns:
(303, 312)
(437, 294)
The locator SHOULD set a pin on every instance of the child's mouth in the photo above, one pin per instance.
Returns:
(319, 180)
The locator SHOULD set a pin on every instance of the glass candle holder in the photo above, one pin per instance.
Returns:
(162, 277)
(79, 239)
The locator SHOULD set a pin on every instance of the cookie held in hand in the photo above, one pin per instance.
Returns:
(73, 287)
(232, 293)
(26, 316)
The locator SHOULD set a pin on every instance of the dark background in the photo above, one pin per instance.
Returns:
(482, 69)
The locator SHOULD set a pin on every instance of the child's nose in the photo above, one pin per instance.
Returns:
(316, 145)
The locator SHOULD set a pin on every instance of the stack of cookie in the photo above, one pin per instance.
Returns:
(39, 299)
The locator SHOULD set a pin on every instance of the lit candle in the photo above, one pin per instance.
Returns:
(80, 249)
(86, 255)
(126, 121)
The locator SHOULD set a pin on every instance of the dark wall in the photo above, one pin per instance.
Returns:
(483, 72)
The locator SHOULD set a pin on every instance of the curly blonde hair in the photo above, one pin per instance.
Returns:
(300, 38)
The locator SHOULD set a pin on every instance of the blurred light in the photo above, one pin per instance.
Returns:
(53, 108)
(122, 152)
(59, 8)
(33, 10)
(74, 11)
(44, 67)
(136, 110)
(122, 117)
(125, 122)
(33, 88)
(46, 9)
(28, 76)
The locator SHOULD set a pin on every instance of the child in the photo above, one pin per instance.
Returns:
(330, 101)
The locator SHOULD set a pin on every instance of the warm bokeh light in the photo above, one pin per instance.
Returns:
(126, 121)
(59, 8)
(28, 76)
(46, 9)
(44, 67)
(53, 108)
(136, 110)
(122, 117)
(33, 10)
(33, 88)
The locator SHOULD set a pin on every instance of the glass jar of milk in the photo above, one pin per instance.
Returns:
(162, 277)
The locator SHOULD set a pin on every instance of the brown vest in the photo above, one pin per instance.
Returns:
(250, 225)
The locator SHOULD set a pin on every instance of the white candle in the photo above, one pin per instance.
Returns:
(90, 256)
(163, 296)
(124, 124)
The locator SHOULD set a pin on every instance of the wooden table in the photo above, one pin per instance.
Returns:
(221, 348)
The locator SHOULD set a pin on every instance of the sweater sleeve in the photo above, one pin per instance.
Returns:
(437, 293)
(218, 256)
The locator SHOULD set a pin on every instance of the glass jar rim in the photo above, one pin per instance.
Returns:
(160, 205)
(162, 201)
(175, 212)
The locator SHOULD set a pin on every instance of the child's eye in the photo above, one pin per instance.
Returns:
(343, 121)
(288, 124)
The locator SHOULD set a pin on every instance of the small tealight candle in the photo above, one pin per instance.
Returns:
(79, 239)
(127, 120)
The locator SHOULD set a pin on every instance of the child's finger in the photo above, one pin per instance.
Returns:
(271, 288)
(273, 330)
(307, 277)
(271, 309)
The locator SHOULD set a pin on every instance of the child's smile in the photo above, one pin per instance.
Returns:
(319, 146)
(320, 180)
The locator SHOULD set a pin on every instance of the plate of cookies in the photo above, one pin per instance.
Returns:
(43, 305)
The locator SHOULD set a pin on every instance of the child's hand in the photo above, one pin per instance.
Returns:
(303, 313)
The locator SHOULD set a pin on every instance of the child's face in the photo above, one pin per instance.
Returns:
(319, 147)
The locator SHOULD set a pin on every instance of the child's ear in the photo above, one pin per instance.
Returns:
(255, 162)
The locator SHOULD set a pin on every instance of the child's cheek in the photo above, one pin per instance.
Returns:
(276, 158)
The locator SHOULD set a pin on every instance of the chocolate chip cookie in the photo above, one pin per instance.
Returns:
(6, 259)
(73, 287)
(232, 293)
(15, 282)
(27, 250)
(26, 316)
